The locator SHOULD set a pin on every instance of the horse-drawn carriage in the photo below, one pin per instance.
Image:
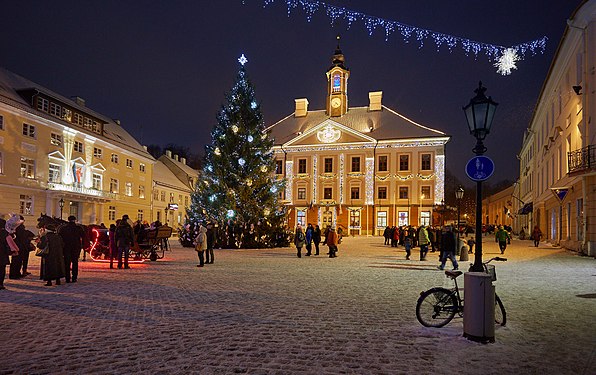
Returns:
(152, 244)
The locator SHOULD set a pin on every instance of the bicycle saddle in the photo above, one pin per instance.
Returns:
(453, 274)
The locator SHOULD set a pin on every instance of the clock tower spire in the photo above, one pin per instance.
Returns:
(337, 85)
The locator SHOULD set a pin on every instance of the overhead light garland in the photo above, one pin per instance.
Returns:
(505, 57)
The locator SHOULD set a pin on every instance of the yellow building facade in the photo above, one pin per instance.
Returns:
(60, 158)
(362, 168)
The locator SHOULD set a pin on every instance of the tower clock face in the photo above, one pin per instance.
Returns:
(335, 102)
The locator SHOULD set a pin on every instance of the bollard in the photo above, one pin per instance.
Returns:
(463, 253)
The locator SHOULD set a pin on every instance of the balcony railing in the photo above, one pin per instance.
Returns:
(582, 160)
(80, 190)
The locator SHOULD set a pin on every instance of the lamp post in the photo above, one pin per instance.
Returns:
(61, 204)
(459, 195)
(479, 116)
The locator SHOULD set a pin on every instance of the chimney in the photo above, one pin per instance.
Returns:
(183, 161)
(169, 153)
(77, 99)
(144, 147)
(301, 107)
(176, 157)
(375, 100)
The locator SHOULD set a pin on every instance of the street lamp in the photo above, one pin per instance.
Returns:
(479, 115)
(459, 195)
(61, 204)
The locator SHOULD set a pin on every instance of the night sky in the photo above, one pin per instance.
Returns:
(163, 67)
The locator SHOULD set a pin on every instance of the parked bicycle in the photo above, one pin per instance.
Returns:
(436, 307)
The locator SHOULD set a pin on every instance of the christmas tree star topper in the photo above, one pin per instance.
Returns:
(242, 60)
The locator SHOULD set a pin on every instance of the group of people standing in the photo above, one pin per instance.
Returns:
(313, 235)
(204, 243)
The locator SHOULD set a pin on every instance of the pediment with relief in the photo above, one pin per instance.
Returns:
(327, 133)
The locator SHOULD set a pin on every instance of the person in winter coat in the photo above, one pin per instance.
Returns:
(536, 235)
(316, 238)
(309, 234)
(73, 236)
(4, 251)
(448, 245)
(52, 264)
(299, 240)
(502, 237)
(386, 235)
(471, 244)
(408, 246)
(124, 240)
(332, 242)
(209, 258)
(23, 240)
(112, 242)
(201, 245)
(423, 241)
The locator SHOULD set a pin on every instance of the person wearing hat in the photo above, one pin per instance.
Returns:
(52, 264)
(16, 262)
(73, 235)
(124, 240)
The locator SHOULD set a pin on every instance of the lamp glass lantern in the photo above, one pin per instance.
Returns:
(479, 113)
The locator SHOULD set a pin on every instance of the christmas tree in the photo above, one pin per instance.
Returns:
(236, 188)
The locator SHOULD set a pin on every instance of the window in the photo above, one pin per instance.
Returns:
(54, 173)
(328, 193)
(163, 196)
(336, 82)
(403, 192)
(128, 189)
(328, 165)
(301, 193)
(383, 163)
(97, 181)
(425, 162)
(356, 164)
(1, 122)
(142, 167)
(301, 219)
(29, 130)
(425, 218)
(56, 139)
(279, 166)
(354, 218)
(43, 104)
(301, 165)
(403, 218)
(425, 192)
(155, 195)
(78, 146)
(97, 152)
(171, 197)
(382, 192)
(142, 191)
(55, 110)
(114, 188)
(26, 204)
(140, 215)
(404, 162)
(78, 119)
(355, 193)
(128, 163)
(381, 219)
(1, 164)
(179, 199)
(111, 213)
(114, 158)
(66, 114)
(186, 201)
(27, 167)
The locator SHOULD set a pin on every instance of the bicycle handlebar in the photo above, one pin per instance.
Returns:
(498, 259)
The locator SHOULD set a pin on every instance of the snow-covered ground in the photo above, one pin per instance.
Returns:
(268, 312)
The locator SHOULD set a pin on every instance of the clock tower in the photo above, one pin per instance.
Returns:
(337, 85)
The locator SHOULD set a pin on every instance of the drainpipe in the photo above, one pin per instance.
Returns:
(374, 186)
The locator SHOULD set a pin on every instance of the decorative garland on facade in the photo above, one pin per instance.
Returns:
(505, 57)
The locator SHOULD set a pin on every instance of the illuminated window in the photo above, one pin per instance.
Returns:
(328, 165)
(355, 218)
(425, 162)
(381, 219)
(29, 130)
(114, 188)
(27, 168)
(425, 192)
(301, 165)
(403, 218)
(301, 219)
(163, 196)
(56, 139)
(140, 215)
(425, 218)
(142, 191)
(97, 179)
(128, 189)
(155, 195)
(186, 201)
(356, 164)
(404, 162)
(336, 82)
(382, 192)
(54, 173)
(26, 204)
(78, 146)
(301, 193)
(66, 114)
(383, 163)
(171, 197)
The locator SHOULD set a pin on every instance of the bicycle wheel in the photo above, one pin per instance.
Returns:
(500, 314)
(436, 307)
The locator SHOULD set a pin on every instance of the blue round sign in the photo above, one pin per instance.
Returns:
(480, 168)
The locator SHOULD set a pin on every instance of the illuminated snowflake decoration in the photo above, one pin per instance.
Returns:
(235, 129)
(217, 151)
(507, 62)
(263, 168)
(250, 138)
(253, 105)
(230, 213)
(212, 198)
(241, 162)
(273, 189)
(242, 60)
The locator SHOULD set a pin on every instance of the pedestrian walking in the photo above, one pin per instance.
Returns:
(299, 240)
(501, 236)
(332, 241)
(408, 246)
(209, 257)
(471, 244)
(448, 244)
(316, 238)
(423, 241)
(201, 245)
(52, 264)
(72, 236)
(536, 235)
(124, 240)
(308, 238)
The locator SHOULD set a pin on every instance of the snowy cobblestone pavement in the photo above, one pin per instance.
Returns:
(268, 312)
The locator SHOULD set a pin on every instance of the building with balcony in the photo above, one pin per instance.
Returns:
(557, 159)
(363, 168)
(60, 158)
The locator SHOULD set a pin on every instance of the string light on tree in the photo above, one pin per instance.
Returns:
(506, 56)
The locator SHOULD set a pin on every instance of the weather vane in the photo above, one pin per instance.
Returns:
(242, 60)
